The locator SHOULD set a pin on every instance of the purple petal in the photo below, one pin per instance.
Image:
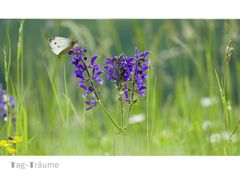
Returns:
(141, 88)
(84, 95)
(93, 60)
(4, 113)
(83, 86)
(126, 76)
(109, 76)
(90, 89)
(108, 68)
(129, 60)
(142, 94)
(145, 67)
(91, 103)
(99, 80)
(121, 56)
(136, 54)
(99, 73)
(11, 100)
(109, 61)
(80, 57)
(97, 67)
(148, 62)
(75, 61)
(144, 76)
(79, 74)
(146, 53)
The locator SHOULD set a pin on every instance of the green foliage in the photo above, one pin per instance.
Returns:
(184, 113)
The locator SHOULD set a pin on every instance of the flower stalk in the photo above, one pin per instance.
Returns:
(87, 83)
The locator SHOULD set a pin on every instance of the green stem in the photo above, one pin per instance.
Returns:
(129, 113)
(122, 114)
(148, 82)
(131, 103)
(227, 114)
(224, 101)
(234, 130)
(105, 111)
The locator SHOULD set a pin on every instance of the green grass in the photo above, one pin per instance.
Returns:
(189, 64)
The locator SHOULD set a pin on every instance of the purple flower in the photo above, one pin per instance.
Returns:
(142, 65)
(87, 73)
(91, 103)
(125, 70)
(7, 104)
(112, 69)
(96, 71)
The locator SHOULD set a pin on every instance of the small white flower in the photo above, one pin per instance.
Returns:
(5, 107)
(215, 138)
(5, 98)
(222, 136)
(136, 119)
(208, 101)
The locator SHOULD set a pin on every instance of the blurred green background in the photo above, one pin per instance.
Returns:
(183, 113)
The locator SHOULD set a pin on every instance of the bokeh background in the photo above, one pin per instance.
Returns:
(184, 112)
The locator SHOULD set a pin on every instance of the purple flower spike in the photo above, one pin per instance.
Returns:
(87, 73)
(142, 65)
(125, 70)
(96, 71)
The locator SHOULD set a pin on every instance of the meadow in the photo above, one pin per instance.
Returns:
(192, 98)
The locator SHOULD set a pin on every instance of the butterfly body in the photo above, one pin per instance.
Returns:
(61, 45)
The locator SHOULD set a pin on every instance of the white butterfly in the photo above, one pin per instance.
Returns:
(61, 45)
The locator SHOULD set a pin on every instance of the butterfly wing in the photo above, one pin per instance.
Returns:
(61, 45)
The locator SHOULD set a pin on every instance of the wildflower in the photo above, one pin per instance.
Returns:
(208, 101)
(124, 70)
(136, 119)
(142, 65)
(6, 104)
(15, 139)
(3, 143)
(10, 144)
(18, 139)
(88, 74)
(11, 151)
